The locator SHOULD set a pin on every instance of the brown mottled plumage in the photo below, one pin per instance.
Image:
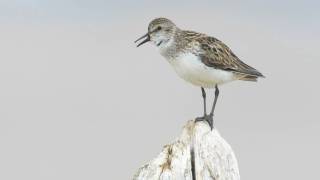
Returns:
(216, 54)
(198, 58)
(211, 51)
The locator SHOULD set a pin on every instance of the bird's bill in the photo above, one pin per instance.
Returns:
(147, 36)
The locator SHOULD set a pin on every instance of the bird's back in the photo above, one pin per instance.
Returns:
(214, 53)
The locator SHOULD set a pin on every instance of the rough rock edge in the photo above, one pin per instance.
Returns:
(214, 158)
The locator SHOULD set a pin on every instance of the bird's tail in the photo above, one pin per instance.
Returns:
(249, 78)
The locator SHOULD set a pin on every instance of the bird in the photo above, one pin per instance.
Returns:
(199, 59)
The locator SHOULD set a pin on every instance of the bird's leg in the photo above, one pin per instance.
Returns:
(204, 105)
(205, 117)
(204, 101)
(216, 95)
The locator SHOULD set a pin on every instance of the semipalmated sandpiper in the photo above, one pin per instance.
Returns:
(197, 58)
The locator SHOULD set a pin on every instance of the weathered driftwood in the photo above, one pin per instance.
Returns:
(214, 158)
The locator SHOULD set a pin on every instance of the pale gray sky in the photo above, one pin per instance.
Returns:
(79, 101)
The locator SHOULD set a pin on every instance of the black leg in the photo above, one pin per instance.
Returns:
(204, 101)
(205, 117)
(216, 95)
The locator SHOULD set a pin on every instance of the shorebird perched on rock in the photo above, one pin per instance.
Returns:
(197, 58)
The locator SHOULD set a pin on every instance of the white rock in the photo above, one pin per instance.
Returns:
(214, 158)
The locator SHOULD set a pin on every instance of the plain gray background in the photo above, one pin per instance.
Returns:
(79, 101)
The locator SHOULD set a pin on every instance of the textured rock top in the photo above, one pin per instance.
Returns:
(214, 158)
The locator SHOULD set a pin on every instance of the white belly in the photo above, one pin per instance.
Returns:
(190, 68)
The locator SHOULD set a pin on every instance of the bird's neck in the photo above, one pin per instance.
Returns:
(170, 49)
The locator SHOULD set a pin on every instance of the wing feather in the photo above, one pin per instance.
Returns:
(216, 54)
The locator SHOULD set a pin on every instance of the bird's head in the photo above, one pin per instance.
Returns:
(160, 32)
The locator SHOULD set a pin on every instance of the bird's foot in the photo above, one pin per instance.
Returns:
(208, 118)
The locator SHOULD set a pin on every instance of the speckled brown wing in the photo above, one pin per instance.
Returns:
(216, 54)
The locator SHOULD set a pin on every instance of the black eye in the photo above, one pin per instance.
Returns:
(159, 28)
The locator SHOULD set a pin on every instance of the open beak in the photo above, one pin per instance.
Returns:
(147, 36)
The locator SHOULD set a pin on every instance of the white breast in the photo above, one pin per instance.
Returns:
(190, 68)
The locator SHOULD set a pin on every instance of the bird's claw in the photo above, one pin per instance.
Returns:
(207, 118)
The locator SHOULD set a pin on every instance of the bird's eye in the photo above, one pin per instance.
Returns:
(159, 28)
